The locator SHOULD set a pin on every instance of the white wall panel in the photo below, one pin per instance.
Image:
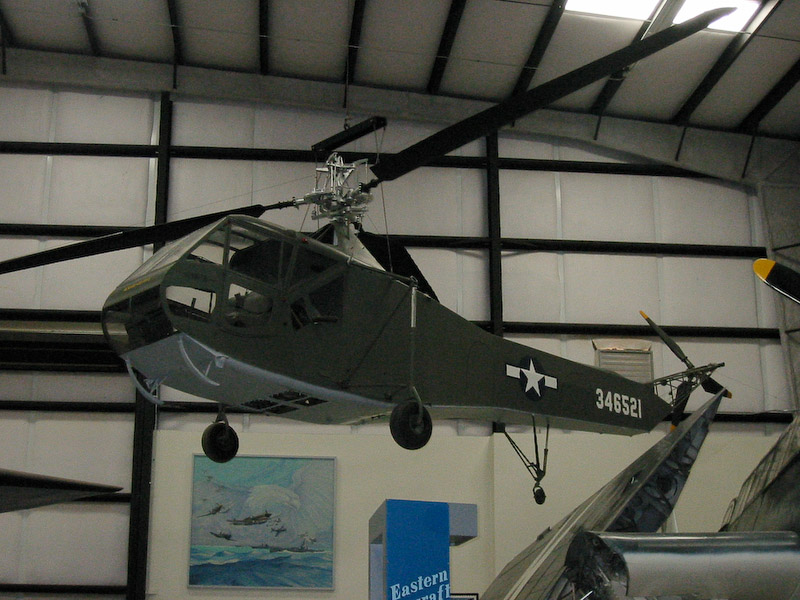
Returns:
(208, 124)
(67, 387)
(76, 544)
(609, 288)
(532, 287)
(103, 118)
(568, 152)
(25, 114)
(72, 387)
(513, 147)
(285, 128)
(98, 191)
(527, 204)
(14, 439)
(702, 212)
(459, 278)
(85, 284)
(607, 207)
(198, 187)
(11, 526)
(580, 349)
(708, 291)
(433, 201)
(89, 447)
(21, 193)
(18, 290)
(778, 393)
(546, 343)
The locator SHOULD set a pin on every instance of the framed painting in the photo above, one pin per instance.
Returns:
(262, 522)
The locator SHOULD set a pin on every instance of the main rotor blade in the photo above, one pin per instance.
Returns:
(779, 277)
(492, 119)
(129, 238)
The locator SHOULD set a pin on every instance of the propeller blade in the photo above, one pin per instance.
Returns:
(671, 344)
(495, 117)
(129, 238)
(709, 385)
(682, 394)
(779, 277)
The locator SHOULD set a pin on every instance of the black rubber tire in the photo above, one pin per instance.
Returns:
(220, 442)
(538, 494)
(405, 428)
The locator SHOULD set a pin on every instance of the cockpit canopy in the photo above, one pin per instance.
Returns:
(241, 274)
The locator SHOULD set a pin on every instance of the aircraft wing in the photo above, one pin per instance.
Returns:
(19, 491)
(639, 499)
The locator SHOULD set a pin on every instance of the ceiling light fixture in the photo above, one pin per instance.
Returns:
(627, 9)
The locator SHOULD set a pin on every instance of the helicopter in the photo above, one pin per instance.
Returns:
(318, 327)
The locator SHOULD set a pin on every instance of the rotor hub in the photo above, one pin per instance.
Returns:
(335, 197)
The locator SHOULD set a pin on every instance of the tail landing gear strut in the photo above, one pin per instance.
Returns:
(537, 468)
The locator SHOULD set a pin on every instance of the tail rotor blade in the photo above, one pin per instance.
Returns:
(712, 386)
(671, 344)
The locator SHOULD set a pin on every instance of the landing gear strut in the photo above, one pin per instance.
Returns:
(220, 442)
(537, 468)
(411, 425)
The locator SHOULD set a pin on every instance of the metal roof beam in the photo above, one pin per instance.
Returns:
(177, 44)
(355, 40)
(445, 45)
(750, 123)
(88, 25)
(661, 18)
(9, 40)
(734, 49)
(263, 36)
(539, 46)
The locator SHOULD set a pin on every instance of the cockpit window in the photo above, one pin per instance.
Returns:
(260, 259)
(316, 286)
(211, 249)
(308, 265)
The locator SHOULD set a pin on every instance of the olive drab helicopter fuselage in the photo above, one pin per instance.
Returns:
(249, 314)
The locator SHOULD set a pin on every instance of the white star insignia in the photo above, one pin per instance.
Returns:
(533, 379)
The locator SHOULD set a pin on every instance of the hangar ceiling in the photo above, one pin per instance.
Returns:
(475, 49)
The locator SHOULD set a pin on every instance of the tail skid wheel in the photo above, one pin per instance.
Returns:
(220, 442)
(410, 429)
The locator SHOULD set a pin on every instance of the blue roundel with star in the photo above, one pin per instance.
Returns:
(532, 379)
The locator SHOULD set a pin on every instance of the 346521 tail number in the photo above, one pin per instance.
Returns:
(620, 404)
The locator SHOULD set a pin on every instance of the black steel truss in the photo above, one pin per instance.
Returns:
(445, 45)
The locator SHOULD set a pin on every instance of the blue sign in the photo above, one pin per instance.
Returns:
(417, 550)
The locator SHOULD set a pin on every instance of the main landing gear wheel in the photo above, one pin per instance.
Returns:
(220, 442)
(410, 429)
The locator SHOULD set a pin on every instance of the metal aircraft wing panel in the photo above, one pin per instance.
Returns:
(751, 565)
(638, 499)
(769, 499)
(19, 491)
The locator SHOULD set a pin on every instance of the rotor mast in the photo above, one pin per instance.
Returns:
(340, 198)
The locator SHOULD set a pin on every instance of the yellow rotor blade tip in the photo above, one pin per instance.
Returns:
(641, 312)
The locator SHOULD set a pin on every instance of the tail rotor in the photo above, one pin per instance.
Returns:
(684, 383)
